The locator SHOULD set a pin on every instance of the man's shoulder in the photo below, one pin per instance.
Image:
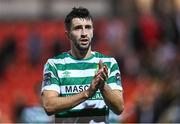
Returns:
(103, 57)
(100, 55)
(57, 59)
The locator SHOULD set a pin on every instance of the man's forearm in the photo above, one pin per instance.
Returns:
(113, 99)
(54, 104)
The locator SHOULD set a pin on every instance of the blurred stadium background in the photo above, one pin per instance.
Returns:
(143, 35)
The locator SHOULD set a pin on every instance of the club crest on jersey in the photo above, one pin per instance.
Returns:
(46, 79)
(118, 78)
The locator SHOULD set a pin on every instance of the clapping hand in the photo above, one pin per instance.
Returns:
(103, 70)
(99, 79)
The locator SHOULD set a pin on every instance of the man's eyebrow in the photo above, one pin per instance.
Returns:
(77, 26)
(80, 26)
(89, 26)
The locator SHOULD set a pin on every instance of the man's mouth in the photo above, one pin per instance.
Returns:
(84, 41)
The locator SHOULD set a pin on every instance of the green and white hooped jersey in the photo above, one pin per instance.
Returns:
(68, 76)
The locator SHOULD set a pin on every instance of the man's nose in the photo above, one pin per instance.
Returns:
(84, 33)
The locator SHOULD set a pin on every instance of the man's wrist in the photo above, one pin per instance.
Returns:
(86, 94)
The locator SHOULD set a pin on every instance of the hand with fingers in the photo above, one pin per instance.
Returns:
(103, 70)
(99, 79)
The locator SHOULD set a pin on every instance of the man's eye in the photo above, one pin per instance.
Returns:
(88, 27)
(77, 28)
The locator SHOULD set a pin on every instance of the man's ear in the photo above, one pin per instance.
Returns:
(67, 34)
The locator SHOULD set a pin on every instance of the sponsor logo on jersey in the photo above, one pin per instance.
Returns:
(46, 79)
(66, 74)
(75, 88)
(97, 96)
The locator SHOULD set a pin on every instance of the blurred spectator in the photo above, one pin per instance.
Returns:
(171, 115)
(178, 26)
(167, 14)
(57, 46)
(34, 47)
(150, 30)
(132, 65)
(164, 56)
(18, 107)
(116, 36)
(31, 114)
(35, 114)
(145, 98)
(168, 104)
(141, 107)
(136, 38)
(7, 53)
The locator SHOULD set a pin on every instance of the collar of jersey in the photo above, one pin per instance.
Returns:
(72, 57)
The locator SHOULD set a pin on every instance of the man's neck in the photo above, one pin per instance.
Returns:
(80, 54)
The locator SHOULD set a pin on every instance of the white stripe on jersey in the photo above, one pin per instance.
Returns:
(89, 103)
(115, 86)
(114, 73)
(69, 60)
(53, 87)
(78, 73)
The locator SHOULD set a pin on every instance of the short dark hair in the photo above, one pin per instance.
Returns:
(80, 12)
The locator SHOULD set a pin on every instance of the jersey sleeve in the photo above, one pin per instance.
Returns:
(114, 80)
(50, 77)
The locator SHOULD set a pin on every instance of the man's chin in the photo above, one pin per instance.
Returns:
(83, 48)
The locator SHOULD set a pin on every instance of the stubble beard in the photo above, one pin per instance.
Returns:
(81, 47)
